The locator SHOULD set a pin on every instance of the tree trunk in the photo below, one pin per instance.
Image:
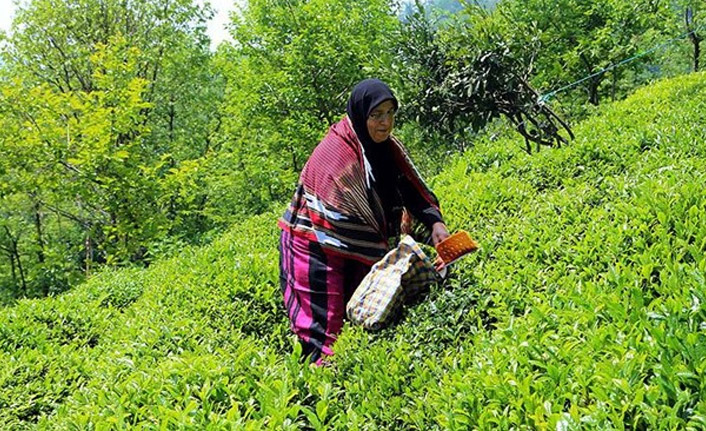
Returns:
(14, 251)
(172, 115)
(21, 271)
(593, 98)
(89, 255)
(695, 38)
(594, 82)
(12, 266)
(10, 255)
(40, 237)
(697, 52)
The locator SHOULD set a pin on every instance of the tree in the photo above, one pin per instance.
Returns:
(694, 35)
(102, 103)
(461, 75)
(78, 154)
(574, 39)
(689, 18)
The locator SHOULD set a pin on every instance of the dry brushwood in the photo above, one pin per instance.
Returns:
(467, 84)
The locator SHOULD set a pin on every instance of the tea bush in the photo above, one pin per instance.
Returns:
(585, 308)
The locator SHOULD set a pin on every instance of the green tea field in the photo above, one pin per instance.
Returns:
(584, 309)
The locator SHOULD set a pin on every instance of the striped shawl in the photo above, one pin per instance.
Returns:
(334, 203)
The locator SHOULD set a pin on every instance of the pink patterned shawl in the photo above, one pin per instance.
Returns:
(334, 203)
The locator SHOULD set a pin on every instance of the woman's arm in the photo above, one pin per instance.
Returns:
(423, 210)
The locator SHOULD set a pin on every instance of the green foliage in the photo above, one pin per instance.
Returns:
(567, 40)
(688, 16)
(91, 173)
(462, 75)
(583, 309)
(53, 43)
(105, 106)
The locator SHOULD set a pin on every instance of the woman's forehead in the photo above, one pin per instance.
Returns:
(384, 106)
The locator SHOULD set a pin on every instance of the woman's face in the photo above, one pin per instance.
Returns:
(381, 120)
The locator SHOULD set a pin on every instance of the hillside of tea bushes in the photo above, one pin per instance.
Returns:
(584, 309)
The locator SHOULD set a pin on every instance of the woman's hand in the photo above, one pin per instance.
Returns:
(438, 233)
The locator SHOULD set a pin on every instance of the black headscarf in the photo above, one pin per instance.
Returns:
(366, 95)
(364, 98)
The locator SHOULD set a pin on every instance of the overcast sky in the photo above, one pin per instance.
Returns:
(216, 28)
(6, 11)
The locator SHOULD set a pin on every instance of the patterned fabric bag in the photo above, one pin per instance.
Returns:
(402, 275)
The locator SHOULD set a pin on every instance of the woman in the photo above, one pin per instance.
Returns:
(354, 193)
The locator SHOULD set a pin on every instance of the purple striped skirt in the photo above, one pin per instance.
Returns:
(316, 287)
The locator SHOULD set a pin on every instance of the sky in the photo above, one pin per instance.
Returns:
(7, 9)
(216, 27)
